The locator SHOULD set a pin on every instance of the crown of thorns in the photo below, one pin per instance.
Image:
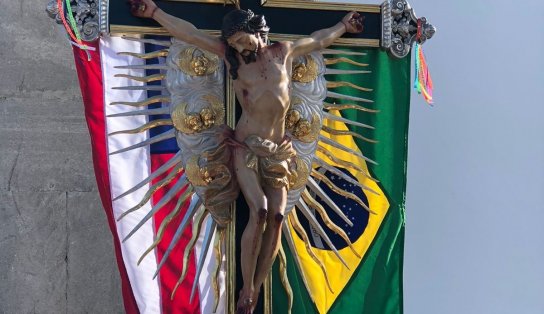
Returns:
(250, 24)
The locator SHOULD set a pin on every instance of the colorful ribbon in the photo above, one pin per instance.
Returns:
(71, 28)
(423, 82)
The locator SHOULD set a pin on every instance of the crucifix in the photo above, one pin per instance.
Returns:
(262, 83)
(391, 26)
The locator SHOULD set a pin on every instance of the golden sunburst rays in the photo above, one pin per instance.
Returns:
(146, 56)
(293, 223)
(195, 209)
(166, 166)
(349, 101)
(166, 222)
(218, 250)
(342, 147)
(286, 232)
(154, 188)
(181, 184)
(155, 139)
(323, 178)
(342, 52)
(143, 79)
(315, 188)
(307, 212)
(144, 112)
(345, 72)
(331, 61)
(164, 43)
(347, 84)
(145, 127)
(326, 166)
(197, 226)
(201, 217)
(299, 229)
(206, 244)
(347, 97)
(149, 88)
(332, 117)
(341, 107)
(337, 56)
(332, 131)
(144, 103)
(174, 168)
(282, 259)
(343, 163)
(313, 203)
(142, 67)
(335, 124)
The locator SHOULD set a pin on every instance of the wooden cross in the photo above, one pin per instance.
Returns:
(288, 19)
(393, 25)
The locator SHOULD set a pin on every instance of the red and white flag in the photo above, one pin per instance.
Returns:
(118, 173)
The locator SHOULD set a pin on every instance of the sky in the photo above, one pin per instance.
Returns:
(475, 196)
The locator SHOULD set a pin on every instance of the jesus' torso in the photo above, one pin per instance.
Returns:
(263, 89)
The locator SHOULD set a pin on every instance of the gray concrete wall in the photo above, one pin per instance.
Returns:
(56, 252)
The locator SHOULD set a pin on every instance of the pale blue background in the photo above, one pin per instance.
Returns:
(475, 204)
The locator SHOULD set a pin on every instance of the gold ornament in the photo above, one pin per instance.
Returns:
(302, 129)
(208, 117)
(217, 109)
(305, 72)
(300, 175)
(195, 62)
(196, 175)
(291, 119)
(194, 122)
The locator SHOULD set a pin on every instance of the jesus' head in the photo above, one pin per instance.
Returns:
(244, 33)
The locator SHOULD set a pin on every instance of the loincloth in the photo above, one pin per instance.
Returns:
(271, 161)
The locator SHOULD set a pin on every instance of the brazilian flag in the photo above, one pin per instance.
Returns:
(373, 282)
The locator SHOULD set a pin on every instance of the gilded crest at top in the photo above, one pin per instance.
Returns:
(195, 62)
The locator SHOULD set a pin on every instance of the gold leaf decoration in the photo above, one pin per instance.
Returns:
(305, 72)
(304, 130)
(300, 174)
(194, 122)
(195, 62)
(195, 174)
(291, 119)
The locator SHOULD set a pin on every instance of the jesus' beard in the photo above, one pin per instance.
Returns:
(249, 56)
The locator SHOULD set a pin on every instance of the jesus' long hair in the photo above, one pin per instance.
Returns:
(245, 21)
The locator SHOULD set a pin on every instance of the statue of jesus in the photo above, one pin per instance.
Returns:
(262, 81)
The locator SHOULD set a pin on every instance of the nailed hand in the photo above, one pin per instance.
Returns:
(353, 22)
(142, 8)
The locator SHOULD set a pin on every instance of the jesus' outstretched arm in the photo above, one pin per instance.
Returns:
(177, 27)
(351, 23)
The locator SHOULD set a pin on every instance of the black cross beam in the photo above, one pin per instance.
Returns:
(289, 17)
